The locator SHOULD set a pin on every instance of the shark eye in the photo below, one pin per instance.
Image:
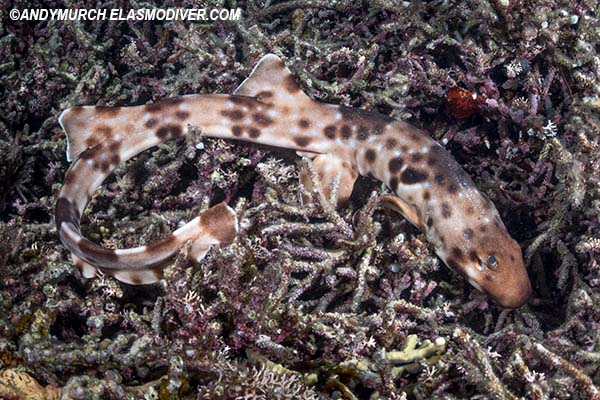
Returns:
(492, 262)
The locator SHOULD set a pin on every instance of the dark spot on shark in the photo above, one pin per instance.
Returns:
(457, 254)
(114, 146)
(247, 101)
(394, 183)
(426, 195)
(446, 212)
(370, 155)
(66, 211)
(395, 164)
(468, 232)
(378, 129)
(291, 85)
(304, 123)
(390, 143)
(302, 141)
(416, 157)
(151, 123)
(253, 132)
(234, 115)
(415, 134)
(473, 256)
(168, 132)
(346, 132)
(358, 115)
(261, 119)
(411, 176)
(453, 188)
(329, 131)
(104, 131)
(236, 130)
(182, 115)
(363, 133)
(91, 141)
(264, 96)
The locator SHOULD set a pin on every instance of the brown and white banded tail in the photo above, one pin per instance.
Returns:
(144, 265)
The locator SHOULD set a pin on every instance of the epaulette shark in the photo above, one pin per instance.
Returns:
(430, 188)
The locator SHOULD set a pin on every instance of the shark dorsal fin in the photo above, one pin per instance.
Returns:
(272, 82)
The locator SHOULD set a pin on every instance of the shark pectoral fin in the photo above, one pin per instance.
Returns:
(331, 171)
(409, 211)
(272, 83)
(87, 270)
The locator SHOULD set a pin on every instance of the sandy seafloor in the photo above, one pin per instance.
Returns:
(309, 302)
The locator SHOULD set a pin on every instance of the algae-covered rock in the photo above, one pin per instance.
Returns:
(17, 384)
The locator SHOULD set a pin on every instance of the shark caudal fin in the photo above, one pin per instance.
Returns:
(272, 82)
(78, 123)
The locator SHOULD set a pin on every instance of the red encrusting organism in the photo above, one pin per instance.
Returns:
(463, 103)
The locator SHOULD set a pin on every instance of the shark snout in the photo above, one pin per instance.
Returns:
(514, 296)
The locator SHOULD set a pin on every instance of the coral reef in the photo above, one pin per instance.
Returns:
(310, 301)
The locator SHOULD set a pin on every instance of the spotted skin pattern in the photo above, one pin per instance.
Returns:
(430, 188)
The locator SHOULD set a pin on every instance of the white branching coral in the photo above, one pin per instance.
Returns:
(513, 68)
(257, 383)
(550, 129)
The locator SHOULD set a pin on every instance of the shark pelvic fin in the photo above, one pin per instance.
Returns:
(329, 168)
(87, 270)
